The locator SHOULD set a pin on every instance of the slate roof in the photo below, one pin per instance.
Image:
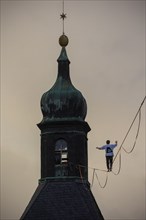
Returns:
(62, 200)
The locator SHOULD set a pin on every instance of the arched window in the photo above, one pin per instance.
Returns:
(61, 151)
(61, 158)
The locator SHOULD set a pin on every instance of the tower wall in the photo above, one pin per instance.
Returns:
(75, 136)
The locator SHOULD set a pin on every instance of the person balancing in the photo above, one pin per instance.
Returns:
(108, 153)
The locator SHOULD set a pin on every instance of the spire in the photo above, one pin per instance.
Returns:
(63, 55)
(63, 65)
(63, 101)
(63, 61)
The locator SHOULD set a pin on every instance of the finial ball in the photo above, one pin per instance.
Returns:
(63, 40)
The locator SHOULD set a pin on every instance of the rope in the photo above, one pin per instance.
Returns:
(118, 153)
(104, 185)
(116, 173)
(137, 133)
(128, 152)
(81, 176)
(93, 177)
(129, 128)
(92, 168)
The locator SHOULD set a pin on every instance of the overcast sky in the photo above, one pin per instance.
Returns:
(107, 53)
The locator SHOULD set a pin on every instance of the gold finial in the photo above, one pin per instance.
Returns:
(63, 40)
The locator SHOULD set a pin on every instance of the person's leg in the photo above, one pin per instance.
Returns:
(107, 163)
(111, 162)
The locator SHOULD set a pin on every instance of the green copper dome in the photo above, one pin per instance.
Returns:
(63, 101)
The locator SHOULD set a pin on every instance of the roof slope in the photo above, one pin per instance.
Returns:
(62, 200)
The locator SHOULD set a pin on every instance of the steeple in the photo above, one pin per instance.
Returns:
(63, 191)
(63, 129)
(63, 101)
(64, 110)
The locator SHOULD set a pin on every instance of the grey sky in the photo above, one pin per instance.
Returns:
(107, 53)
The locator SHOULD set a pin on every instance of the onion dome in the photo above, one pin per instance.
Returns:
(63, 101)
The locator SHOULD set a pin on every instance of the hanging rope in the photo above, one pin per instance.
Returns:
(116, 173)
(104, 185)
(118, 153)
(92, 168)
(81, 176)
(130, 129)
(128, 152)
(93, 177)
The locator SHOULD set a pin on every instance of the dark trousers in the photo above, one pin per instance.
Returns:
(109, 162)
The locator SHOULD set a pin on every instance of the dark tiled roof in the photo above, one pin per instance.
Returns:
(62, 200)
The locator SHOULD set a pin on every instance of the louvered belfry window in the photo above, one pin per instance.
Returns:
(61, 158)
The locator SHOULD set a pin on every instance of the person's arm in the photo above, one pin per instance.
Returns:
(98, 148)
(115, 145)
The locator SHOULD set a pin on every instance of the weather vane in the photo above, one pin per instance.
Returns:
(63, 40)
(63, 15)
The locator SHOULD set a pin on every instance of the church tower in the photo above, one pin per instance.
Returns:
(63, 192)
(63, 129)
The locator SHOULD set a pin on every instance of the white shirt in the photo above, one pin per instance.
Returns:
(108, 149)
